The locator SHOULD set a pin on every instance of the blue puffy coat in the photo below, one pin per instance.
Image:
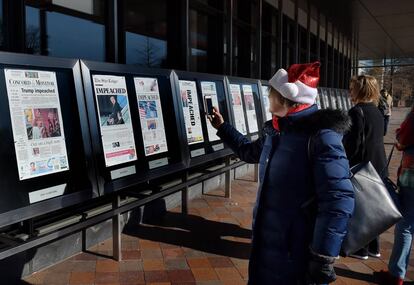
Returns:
(283, 231)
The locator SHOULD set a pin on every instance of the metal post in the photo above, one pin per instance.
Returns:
(112, 34)
(116, 230)
(256, 173)
(227, 180)
(84, 246)
(184, 196)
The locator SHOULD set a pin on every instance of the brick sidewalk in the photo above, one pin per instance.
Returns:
(209, 246)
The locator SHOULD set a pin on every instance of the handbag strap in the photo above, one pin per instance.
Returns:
(363, 131)
(388, 161)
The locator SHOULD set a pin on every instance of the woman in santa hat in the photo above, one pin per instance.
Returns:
(301, 159)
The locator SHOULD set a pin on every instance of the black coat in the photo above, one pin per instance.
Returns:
(372, 125)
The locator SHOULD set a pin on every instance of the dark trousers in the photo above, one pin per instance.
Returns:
(386, 121)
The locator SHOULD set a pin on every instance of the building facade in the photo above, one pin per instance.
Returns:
(247, 38)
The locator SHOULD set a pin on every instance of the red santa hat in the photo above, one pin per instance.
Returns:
(298, 84)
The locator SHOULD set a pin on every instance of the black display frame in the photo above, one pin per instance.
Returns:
(210, 154)
(70, 68)
(178, 161)
(257, 103)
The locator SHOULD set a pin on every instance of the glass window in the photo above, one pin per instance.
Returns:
(2, 30)
(288, 53)
(269, 40)
(207, 39)
(32, 30)
(58, 29)
(146, 31)
(246, 38)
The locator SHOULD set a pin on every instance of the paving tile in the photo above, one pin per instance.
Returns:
(220, 262)
(201, 262)
(107, 277)
(147, 244)
(84, 266)
(172, 253)
(179, 276)
(151, 253)
(156, 276)
(213, 282)
(131, 277)
(204, 274)
(56, 278)
(177, 263)
(82, 278)
(107, 265)
(228, 273)
(153, 264)
(130, 265)
(131, 254)
(85, 256)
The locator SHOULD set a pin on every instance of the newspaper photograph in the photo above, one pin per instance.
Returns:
(266, 102)
(238, 109)
(209, 92)
(37, 124)
(191, 110)
(114, 119)
(150, 115)
(250, 108)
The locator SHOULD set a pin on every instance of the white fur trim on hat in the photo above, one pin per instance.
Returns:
(295, 91)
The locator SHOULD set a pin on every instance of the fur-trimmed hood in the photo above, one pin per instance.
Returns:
(311, 121)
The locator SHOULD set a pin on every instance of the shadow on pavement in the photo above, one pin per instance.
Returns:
(196, 233)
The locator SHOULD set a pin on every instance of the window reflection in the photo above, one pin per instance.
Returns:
(32, 30)
(74, 37)
(145, 25)
(78, 32)
(145, 51)
(206, 40)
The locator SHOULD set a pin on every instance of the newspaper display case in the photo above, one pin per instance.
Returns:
(198, 94)
(135, 124)
(332, 98)
(244, 94)
(265, 89)
(325, 101)
(339, 102)
(46, 159)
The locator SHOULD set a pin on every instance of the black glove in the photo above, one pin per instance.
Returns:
(320, 269)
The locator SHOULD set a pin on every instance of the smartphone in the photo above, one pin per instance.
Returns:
(209, 105)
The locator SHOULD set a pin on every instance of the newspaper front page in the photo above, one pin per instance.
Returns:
(208, 89)
(191, 110)
(238, 110)
(266, 102)
(150, 114)
(250, 108)
(114, 119)
(37, 124)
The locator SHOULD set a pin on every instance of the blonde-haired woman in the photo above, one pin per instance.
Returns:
(365, 141)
